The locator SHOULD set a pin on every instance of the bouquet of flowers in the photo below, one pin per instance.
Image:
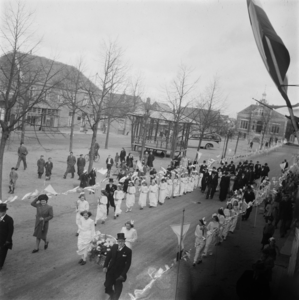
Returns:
(100, 246)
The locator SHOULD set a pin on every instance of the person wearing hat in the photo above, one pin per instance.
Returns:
(48, 168)
(257, 170)
(162, 191)
(109, 164)
(200, 241)
(116, 267)
(118, 196)
(86, 235)
(212, 183)
(81, 205)
(110, 189)
(92, 177)
(130, 197)
(224, 186)
(44, 213)
(40, 166)
(231, 168)
(22, 153)
(204, 180)
(80, 165)
(249, 197)
(84, 179)
(6, 233)
(71, 162)
(212, 235)
(130, 233)
(13, 176)
(143, 191)
(101, 208)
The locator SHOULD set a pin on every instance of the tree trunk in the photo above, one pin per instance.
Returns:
(72, 132)
(94, 129)
(143, 138)
(107, 133)
(4, 138)
(174, 140)
(23, 125)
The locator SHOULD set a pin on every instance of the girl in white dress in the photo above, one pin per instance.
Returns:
(163, 191)
(235, 215)
(152, 194)
(102, 208)
(130, 233)
(228, 222)
(130, 198)
(169, 186)
(196, 180)
(182, 185)
(143, 194)
(212, 235)
(200, 241)
(86, 235)
(118, 196)
(176, 186)
(221, 218)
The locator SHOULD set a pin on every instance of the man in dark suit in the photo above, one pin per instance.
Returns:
(212, 184)
(122, 155)
(6, 232)
(22, 153)
(110, 189)
(231, 168)
(109, 164)
(80, 165)
(116, 266)
(71, 162)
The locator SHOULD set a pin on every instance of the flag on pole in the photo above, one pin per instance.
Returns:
(50, 191)
(102, 171)
(274, 53)
(177, 230)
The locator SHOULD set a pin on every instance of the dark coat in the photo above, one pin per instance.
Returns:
(92, 177)
(265, 171)
(224, 187)
(48, 167)
(110, 190)
(231, 168)
(80, 165)
(130, 161)
(257, 171)
(117, 263)
(202, 168)
(150, 160)
(212, 180)
(84, 180)
(71, 162)
(122, 155)
(249, 196)
(40, 166)
(22, 151)
(6, 232)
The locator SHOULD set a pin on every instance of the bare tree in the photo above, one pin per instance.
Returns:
(179, 95)
(73, 96)
(110, 78)
(25, 79)
(207, 112)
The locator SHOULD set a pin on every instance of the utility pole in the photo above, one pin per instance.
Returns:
(237, 142)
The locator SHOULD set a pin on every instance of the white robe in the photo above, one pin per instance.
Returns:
(169, 188)
(130, 199)
(152, 195)
(176, 189)
(200, 242)
(130, 235)
(143, 195)
(81, 206)
(183, 186)
(163, 192)
(86, 234)
(101, 209)
(118, 197)
(212, 237)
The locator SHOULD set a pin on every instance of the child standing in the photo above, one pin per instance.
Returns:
(130, 198)
(13, 176)
(143, 194)
(48, 167)
(118, 197)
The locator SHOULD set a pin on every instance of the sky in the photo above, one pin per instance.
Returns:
(212, 37)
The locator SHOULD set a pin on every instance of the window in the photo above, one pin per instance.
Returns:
(275, 128)
(244, 124)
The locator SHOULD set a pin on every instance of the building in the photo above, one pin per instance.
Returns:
(260, 124)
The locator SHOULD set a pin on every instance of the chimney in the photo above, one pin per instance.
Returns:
(148, 101)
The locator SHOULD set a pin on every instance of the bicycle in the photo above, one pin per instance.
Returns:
(95, 159)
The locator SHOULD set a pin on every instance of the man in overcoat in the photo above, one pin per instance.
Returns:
(71, 162)
(22, 153)
(40, 166)
(6, 232)
(116, 267)
(122, 155)
(80, 165)
(110, 189)
(212, 183)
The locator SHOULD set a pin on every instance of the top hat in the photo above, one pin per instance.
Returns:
(120, 236)
(110, 179)
(3, 207)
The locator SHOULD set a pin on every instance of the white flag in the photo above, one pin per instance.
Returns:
(177, 230)
(102, 171)
(49, 190)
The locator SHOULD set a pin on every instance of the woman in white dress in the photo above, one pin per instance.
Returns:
(163, 191)
(152, 194)
(130, 198)
(235, 215)
(200, 241)
(212, 235)
(176, 186)
(101, 208)
(130, 233)
(228, 221)
(118, 196)
(182, 185)
(221, 218)
(143, 194)
(169, 186)
(86, 235)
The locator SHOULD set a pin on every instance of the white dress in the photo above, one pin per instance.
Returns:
(143, 195)
(101, 209)
(130, 198)
(118, 197)
(163, 192)
(169, 188)
(130, 235)
(183, 186)
(86, 234)
(176, 189)
(81, 206)
(152, 195)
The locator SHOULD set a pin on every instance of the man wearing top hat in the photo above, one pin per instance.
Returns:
(80, 165)
(110, 189)
(6, 232)
(116, 266)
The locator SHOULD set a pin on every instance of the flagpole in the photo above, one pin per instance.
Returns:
(179, 257)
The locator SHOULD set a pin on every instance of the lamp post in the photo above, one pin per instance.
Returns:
(226, 140)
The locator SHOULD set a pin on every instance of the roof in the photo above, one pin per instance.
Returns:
(160, 106)
(253, 107)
